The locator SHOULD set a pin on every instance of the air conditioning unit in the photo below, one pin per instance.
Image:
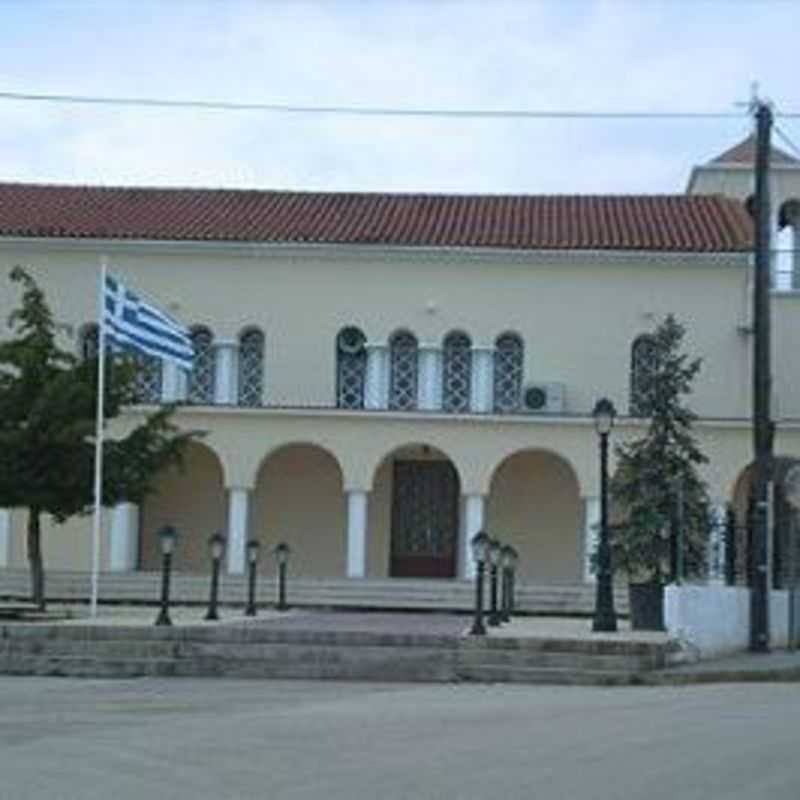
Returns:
(544, 398)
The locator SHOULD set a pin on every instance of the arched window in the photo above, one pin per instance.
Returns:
(149, 376)
(508, 359)
(644, 363)
(89, 341)
(251, 368)
(456, 372)
(202, 377)
(787, 247)
(403, 351)
(351, 367)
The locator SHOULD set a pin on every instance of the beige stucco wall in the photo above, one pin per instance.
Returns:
(577, 313)
(534, 505)
(193, 501)
(298, 499)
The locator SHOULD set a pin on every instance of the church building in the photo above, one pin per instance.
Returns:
(382, 375)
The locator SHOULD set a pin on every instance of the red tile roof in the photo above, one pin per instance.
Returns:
(678, 223)
(745, 153)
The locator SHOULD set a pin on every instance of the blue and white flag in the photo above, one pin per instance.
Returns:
(133, 324)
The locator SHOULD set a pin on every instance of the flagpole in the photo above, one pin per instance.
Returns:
(98, 437)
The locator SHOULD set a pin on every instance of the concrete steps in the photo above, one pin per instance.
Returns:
(382, 593)
(259, 651)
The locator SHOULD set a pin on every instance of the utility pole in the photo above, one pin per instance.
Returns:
(762, 384)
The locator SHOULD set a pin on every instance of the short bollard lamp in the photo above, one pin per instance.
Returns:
(506, 557)
(479, 544)
(216, 548)
(281, 553)
(494, 562)
(605, 617)
(252, 564)
(166, 539)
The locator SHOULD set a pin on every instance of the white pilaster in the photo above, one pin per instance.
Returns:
(591, 535)
(356, 534)
(794, 240)
(376, 390)
(238, 500)
(174, 383)
(123, 545)
(481, 399)
(5, 537)
(716, 544)
(429, 386)
(227, 374)
(474, 509)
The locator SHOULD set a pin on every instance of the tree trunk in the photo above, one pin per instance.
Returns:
(35, 558)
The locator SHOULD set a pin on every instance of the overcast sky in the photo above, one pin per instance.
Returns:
(567, 54)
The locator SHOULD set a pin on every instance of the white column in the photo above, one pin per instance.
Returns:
(5, 537)
(474, 507)
(123, 544)
(481, 399)
(376, 390)
(794, 244)
(356, 534)
(429, 386)
(227, 374)
(237, 529)
(591, 535)
(716, 544)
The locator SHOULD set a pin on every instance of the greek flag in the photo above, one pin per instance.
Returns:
(133, 324)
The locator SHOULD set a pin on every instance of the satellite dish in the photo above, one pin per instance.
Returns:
(791, 487)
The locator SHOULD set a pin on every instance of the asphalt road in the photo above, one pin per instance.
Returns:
(173, 739)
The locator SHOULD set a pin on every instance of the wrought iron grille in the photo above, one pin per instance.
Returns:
(508, 357)
(456, 373)
(644, 363)
(149, 376)
(404, 359)
(201, 378)
(351, 368)
(251, 368)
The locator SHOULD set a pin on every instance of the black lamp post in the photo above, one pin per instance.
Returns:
(252, 563)
(505, 582)
(512, 579)
(479, 545)
(605, 618)
(216, 547)
(494, 562)
(166, 538)
(281, 553)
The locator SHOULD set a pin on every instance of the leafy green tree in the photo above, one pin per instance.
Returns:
(48, 416)
(659, 471)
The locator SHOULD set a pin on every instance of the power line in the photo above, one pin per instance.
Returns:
(367, 111)
(784, 137)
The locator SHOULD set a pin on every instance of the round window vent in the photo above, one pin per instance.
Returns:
(536, 398)
(351, 340)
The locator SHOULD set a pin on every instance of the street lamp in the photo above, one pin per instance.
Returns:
(512, 580)
(494, 561)
(216, 547)
(605, 618)
(281, 553)
(166, 538)
(506, 557)
(479, 544)
(252, 562)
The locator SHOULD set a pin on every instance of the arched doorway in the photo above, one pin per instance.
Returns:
(414, 514)
(534, 505)
(784, 545)
(190, 498)
(298, 499)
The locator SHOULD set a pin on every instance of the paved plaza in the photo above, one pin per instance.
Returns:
(202, 739)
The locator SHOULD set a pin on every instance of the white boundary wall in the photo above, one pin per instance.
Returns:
(716, 619)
